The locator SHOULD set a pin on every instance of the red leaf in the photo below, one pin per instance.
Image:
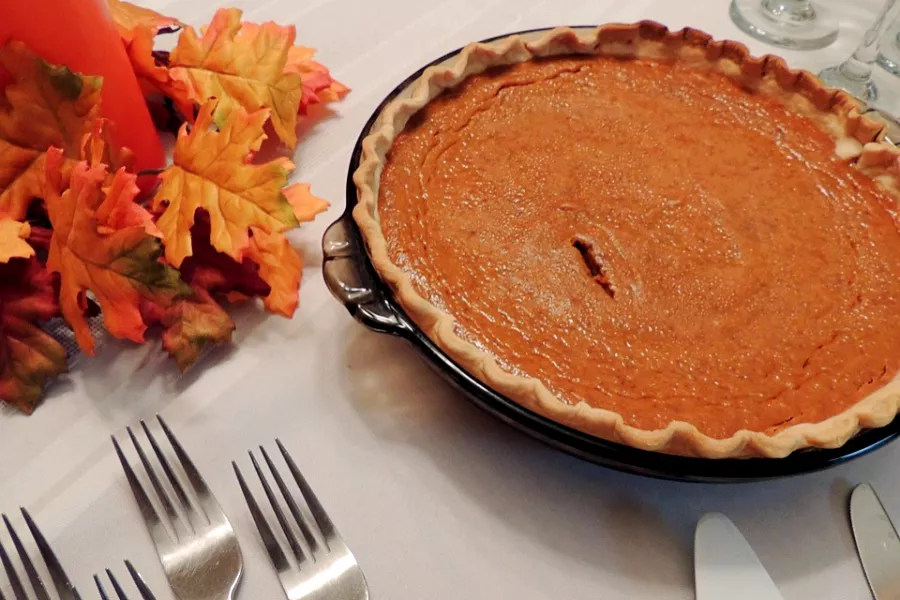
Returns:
(29, 356)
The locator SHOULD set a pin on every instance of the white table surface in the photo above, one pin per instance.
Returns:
(436, 499)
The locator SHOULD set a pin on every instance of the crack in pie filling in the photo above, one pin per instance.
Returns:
(682, 254)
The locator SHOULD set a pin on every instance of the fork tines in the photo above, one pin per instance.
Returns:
(61, 582)
(145, 592)
(318, 532)
(195, 542)
(322, 566)
(189, 515)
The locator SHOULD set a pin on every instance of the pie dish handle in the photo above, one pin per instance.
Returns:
(350, 279)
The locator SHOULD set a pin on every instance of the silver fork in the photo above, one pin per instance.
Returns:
(199, 550)
(325, 568)
(145, 592)
(61, 582)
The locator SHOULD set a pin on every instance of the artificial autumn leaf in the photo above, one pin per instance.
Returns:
(305, 205)
(138, 26)
(200, 322)
(120, 268)
(210, 171)
(129, 17)
(97, 148)
(218, 273)
(279, 266)
(153, 77)
(318, 85)
(191, 325)
(43, 106)
(241, 70)
(12, 240)
(118, 210)
(320, 88)
(29, 356)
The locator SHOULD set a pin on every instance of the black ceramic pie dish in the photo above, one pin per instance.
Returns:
(352, 280)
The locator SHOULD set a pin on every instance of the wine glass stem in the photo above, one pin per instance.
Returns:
(794, 11)
(859, 66)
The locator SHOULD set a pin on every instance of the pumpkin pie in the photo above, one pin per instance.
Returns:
(650, 236)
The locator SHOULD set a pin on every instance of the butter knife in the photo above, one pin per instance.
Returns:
(725, 566)
(876, 542)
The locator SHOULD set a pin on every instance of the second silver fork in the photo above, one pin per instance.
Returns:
(321, 566)
(199, 550)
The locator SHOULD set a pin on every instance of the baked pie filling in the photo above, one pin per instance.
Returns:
(651, 239)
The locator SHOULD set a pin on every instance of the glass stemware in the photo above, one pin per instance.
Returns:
(889, 50)
(797, 24)
(855, 74)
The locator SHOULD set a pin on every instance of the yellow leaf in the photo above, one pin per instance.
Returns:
(210, 172)
(318, 85)
(242, 70)
(12, 240)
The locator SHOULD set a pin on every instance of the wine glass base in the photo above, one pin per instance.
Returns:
(835, 78)
(803, 34)
(888, 64)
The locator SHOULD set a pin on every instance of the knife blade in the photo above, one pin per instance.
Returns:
(876, 542)
(725, 566)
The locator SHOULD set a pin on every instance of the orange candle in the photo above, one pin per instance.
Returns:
(80, 34)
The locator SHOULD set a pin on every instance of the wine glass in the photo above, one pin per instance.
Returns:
(889, 50)
(796, 24)
(855, 74)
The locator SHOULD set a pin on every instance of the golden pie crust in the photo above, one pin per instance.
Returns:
(857, 140)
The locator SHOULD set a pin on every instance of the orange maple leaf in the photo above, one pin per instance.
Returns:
(305, 205)
(280, 266)
(29, 356)
(120, 267)
(118, 209)
(12, 240)
(43, 106)
(210, 172)
(242, 70)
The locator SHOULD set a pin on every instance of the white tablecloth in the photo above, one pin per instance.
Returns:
(437, 499)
